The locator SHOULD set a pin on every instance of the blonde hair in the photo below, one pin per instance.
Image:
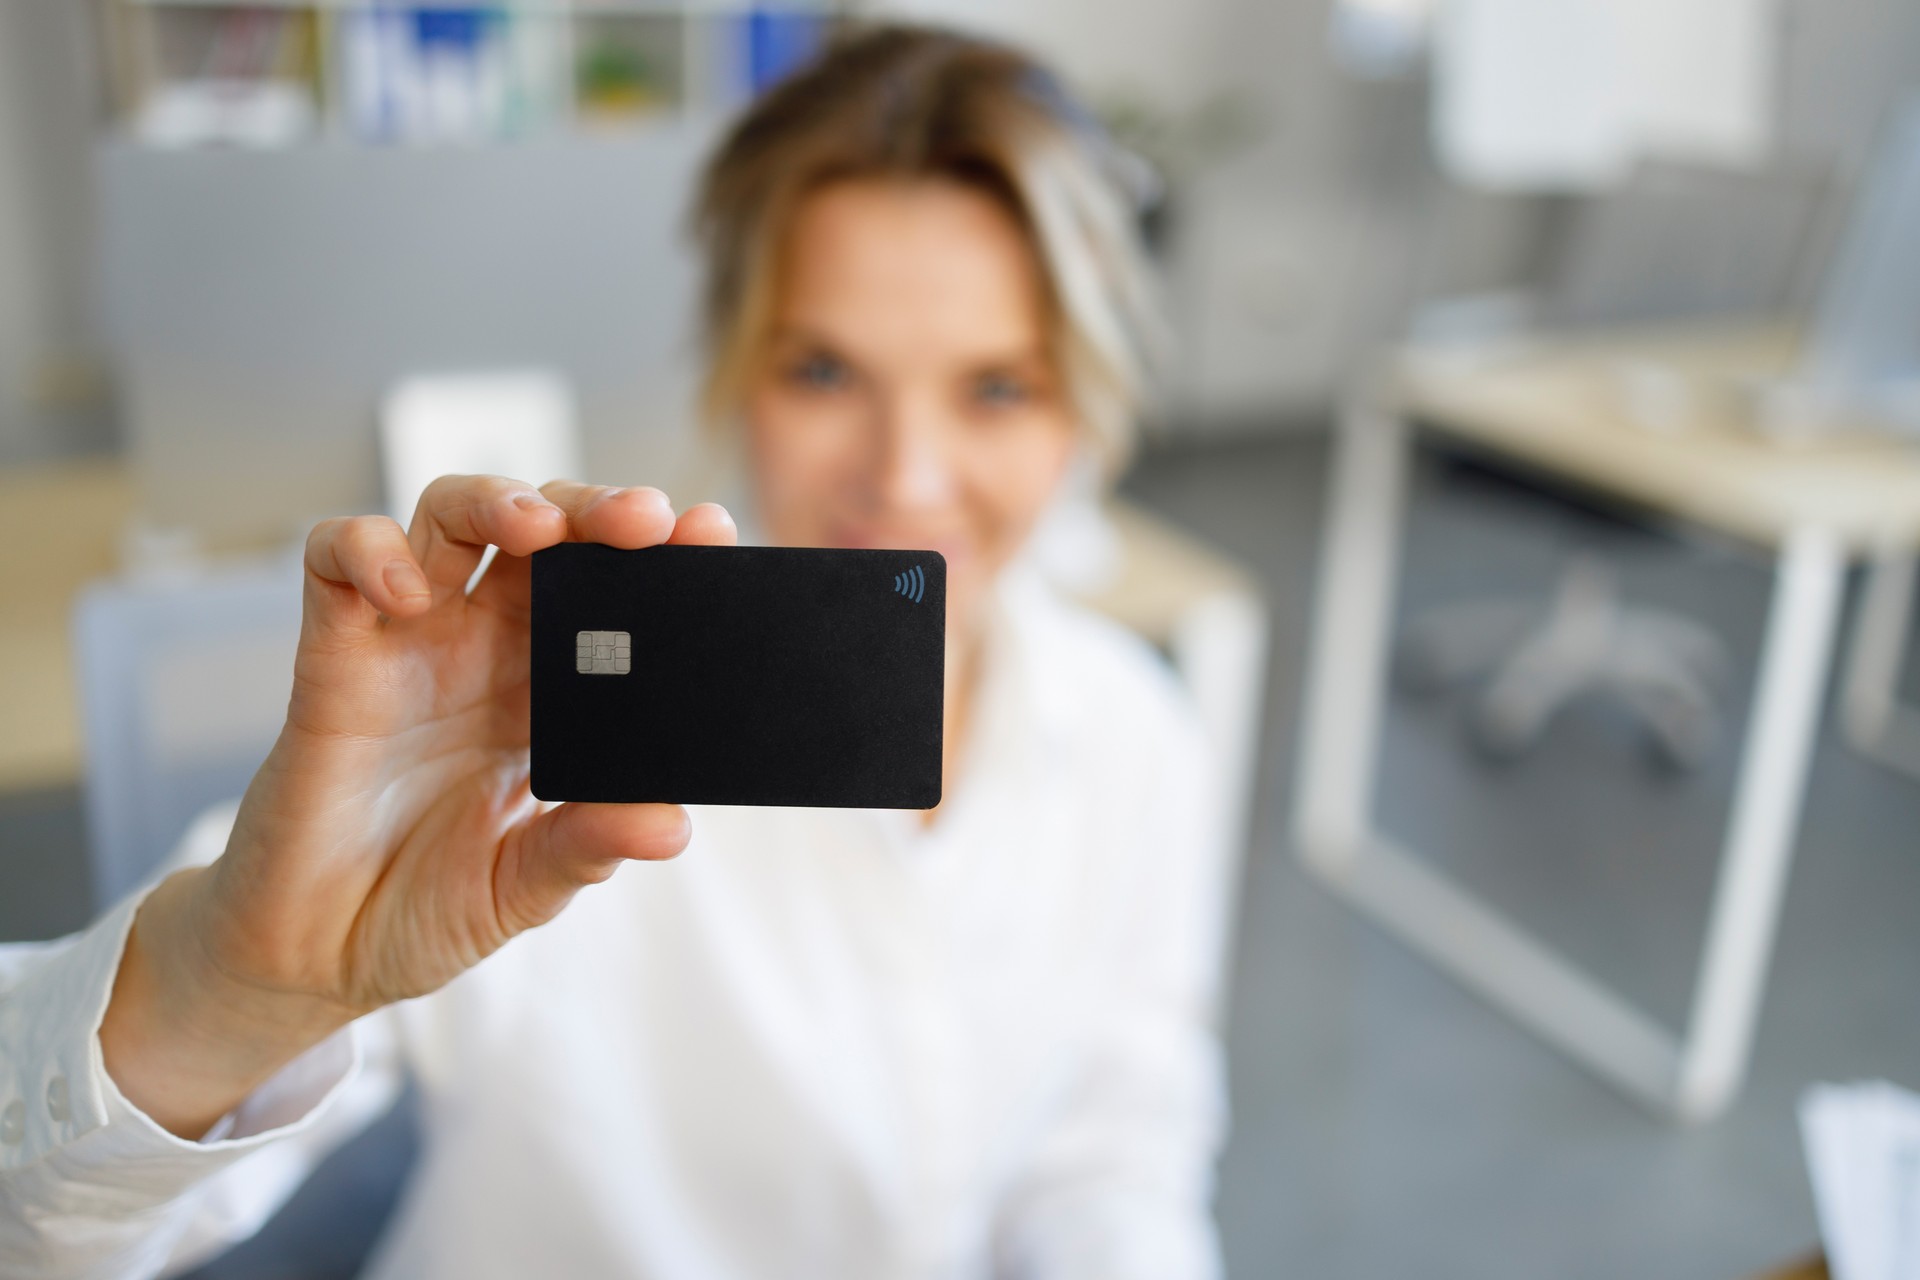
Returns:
(915, 102)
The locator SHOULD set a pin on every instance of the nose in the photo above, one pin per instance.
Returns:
(913, 466)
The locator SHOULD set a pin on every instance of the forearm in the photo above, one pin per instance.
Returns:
(184, 1040)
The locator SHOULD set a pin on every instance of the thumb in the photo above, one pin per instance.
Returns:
(548, 859)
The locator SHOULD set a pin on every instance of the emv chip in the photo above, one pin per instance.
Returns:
(602, 653)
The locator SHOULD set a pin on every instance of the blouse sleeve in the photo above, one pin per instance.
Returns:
(89, 1184)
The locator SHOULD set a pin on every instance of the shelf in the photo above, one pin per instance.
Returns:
(287, 73)
(518, 8)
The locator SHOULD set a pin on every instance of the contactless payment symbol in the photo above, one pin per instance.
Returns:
(912, 584)
(602, 653)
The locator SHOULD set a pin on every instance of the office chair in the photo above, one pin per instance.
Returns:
(183, 680)
(1532, 658)
(1675, 243)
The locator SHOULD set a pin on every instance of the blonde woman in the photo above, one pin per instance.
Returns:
(818, 1043)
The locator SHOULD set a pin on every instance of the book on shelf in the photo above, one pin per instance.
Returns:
(450, 75)
(379, 73)
(251, 84)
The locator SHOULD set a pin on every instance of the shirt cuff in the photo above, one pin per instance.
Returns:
(59, 1105)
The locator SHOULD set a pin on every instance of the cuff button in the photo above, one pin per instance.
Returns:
(57, 1099)
(13, 1123)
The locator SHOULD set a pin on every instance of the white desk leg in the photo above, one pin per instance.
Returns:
(1353, 615)
(1766, 814)
(1219, 645)
(1406, 895)
(1334, 834)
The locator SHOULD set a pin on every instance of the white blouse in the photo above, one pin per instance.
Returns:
(821, 1043)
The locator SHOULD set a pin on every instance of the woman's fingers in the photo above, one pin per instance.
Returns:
(620, 517)
(459, 515)
(636, 517)
(359, 567)
(550, 858)
(707, 525)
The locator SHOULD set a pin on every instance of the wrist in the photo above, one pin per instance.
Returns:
(184, 1037)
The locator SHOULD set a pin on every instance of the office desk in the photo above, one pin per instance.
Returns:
(60, 527)
(1657, 420)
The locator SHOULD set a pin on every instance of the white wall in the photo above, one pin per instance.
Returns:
(1165, 48)
(1294, 261)
(1288, 263)
(49, 388)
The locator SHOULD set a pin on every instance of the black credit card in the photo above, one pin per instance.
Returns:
(738, 675)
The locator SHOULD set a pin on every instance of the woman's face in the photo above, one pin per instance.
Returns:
(908, 396)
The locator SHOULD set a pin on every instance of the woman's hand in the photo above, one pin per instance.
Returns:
(390, 841)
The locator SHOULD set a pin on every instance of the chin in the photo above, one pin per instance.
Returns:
(958, 552)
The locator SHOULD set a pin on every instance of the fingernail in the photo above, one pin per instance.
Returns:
(530, 501)
(404, 580)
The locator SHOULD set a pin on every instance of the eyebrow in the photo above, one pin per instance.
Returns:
(800, 335)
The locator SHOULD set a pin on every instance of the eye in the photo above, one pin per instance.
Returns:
(1000, 390)
(820, 372)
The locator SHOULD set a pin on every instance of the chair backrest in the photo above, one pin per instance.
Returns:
(518, 423)
(1866, 329)
(1679, 242)
(1208, 615)
(183, 686)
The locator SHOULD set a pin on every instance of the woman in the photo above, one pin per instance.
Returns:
(822, 1043)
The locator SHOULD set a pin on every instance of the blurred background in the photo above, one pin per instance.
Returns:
(1531, 505)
